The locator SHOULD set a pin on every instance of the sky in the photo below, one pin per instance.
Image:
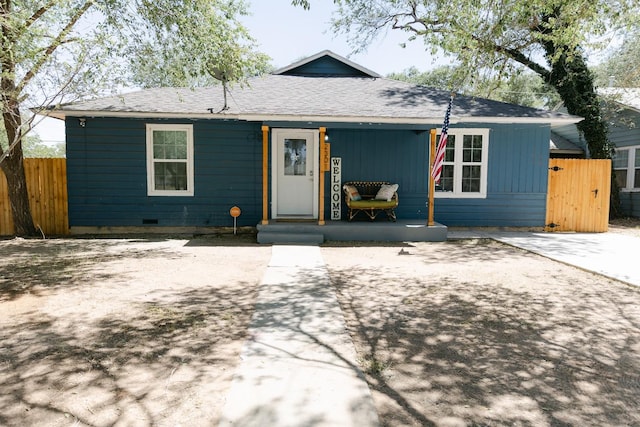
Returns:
(288, 34)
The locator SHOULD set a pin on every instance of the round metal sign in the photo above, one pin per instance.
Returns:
(235, 212)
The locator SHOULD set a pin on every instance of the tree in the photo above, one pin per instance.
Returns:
(622, 67)
(57, 51)
(524, 88)
(33, 146)
(198, 47)
(547, 36)
(439, 77)
(550, 37)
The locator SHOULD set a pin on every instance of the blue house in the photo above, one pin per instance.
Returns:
(179, 159)
(624, 132)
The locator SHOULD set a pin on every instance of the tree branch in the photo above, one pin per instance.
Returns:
(411, 19)
(435, 26)
(54, 45)
(38, 13)
(520, 57)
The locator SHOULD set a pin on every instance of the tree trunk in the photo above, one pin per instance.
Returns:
(13, 168)
(574, 82)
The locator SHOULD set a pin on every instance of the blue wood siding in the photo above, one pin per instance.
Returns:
(516, 180)
(107, 175)
(625, 131)
(630, 203)
(385, 155)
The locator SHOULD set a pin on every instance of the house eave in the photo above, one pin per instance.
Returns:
(62, 114)
(408, 120)
(565, 151)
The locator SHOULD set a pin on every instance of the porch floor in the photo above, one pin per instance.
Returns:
(282, 231)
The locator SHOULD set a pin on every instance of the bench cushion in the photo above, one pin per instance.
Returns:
(376, 204)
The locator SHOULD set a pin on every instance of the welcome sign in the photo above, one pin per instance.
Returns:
(336, 189)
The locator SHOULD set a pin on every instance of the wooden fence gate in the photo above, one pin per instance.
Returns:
(578, 195)
(47, 187)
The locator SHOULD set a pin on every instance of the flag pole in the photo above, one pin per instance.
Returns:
(432, 184)
(437, 158)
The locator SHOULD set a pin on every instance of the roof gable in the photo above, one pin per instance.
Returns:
(325, 64)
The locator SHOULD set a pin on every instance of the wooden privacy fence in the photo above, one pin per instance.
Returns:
(47, 187)
(578, 195)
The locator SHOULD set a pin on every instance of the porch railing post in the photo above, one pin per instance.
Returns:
(265, 168)
(432, 184)
(322, 172)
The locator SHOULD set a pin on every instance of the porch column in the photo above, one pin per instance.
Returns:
(322, 172)
(432, 184)
(265, 168)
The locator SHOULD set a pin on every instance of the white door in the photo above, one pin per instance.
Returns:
(295, 173)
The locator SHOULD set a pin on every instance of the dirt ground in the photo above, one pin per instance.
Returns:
(122, 332)
(147, 332)
(476, 333)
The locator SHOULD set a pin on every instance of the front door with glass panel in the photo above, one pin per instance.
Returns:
(294, 168)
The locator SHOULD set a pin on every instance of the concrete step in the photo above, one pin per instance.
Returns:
(283, 237)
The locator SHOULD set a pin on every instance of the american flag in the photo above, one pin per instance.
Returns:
(442, 145)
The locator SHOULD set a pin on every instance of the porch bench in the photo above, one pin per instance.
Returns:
(360, 196)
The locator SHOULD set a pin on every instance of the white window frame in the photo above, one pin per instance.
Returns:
(151, 191)
(631, 167)
(457, 192)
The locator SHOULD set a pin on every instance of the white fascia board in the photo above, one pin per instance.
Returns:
(531, 120)
(61, 114)
(412, 120)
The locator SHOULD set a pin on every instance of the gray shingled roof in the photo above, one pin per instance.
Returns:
(628, 97)
(337, 99)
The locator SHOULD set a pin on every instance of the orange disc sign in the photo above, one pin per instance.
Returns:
(234, 211)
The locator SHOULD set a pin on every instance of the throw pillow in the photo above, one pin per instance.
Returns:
(386, 192)
(353, 192)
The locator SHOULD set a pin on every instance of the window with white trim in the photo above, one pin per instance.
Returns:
(169, 160)
(464, 170)
(626, 164)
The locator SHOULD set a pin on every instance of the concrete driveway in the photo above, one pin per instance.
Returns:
(613, 255)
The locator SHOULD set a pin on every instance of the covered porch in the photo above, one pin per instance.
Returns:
(315, 228)
(303, 232)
